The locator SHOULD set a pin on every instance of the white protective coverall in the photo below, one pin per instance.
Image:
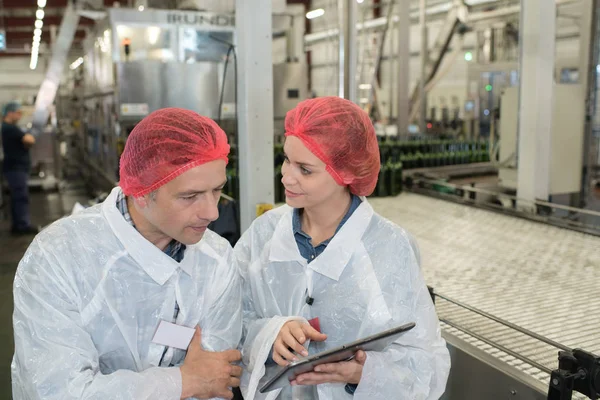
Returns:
(89, 294)
(366, 280)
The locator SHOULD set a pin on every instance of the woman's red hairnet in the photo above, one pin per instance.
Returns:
(341, 135)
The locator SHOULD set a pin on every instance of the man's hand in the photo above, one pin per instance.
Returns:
(292, 336)
(207, 374)
(340, 372)
(28, 140)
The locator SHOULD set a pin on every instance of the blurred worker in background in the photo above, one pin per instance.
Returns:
(16, 167)
(92, 288)
(326, 269)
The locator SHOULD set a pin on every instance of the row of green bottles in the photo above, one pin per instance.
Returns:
(389, 182)
(442, 159)
(232, 187)
(394, 150)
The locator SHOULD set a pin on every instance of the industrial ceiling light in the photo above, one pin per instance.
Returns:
(319, 12)
(37, 34)
(141, 8)
(76, 63)
(360, 1)
(153, 34)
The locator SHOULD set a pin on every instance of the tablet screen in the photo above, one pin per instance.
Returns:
(277, 377)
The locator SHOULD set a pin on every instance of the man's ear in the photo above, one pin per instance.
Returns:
(141, 202)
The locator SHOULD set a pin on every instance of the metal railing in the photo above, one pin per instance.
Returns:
(579, 219)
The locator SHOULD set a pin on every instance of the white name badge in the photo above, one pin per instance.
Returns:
(172, 335)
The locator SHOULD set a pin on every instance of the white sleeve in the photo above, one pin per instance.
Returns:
(417, 365)
(55, 358)
(259, 334)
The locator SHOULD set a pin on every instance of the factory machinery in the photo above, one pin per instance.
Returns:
(139, 62)
(495, 359)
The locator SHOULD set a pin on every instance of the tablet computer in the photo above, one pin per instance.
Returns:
(277, 377)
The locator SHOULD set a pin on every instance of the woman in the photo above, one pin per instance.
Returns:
(326, 261)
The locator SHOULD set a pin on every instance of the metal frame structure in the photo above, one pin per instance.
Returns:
(578, 219)
(578, 370)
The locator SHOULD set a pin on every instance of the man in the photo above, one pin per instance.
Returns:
(93, 288)
(17, 164)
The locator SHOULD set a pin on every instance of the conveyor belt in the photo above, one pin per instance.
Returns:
(542, 278)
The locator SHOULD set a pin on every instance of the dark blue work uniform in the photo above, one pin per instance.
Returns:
(16, 167)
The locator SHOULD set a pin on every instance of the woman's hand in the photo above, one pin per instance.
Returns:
(340, 372)
(292, 336)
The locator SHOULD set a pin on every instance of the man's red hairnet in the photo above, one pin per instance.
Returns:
(164, 145)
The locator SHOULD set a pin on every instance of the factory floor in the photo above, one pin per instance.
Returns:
(534, 275)
(539, 277)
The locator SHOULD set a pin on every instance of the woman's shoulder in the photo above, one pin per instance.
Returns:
(383, 235)
(272, 217)
(382, 227)
(263, 227)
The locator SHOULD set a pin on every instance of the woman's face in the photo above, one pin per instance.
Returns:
(307, 183)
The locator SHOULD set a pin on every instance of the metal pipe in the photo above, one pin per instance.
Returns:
(422, 79)
(589, 59)
(403, 89)
(505, 323)
(498, 346)
(341, 47)
(347, 49)
(414, 16)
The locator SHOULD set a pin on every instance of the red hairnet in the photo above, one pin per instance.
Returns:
(164, 145)
(341, 135)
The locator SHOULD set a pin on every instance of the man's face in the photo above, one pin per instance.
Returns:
(14, 116)
(183, 207)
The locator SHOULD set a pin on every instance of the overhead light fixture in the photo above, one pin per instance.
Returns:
(364, 86)
(76, 63)
(37, 34)
(153, 34)
(141, 8)
(360, 1)
(319, 12)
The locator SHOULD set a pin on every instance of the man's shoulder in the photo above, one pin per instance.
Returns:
(83, 225)
(10, 129)
(217, 242)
